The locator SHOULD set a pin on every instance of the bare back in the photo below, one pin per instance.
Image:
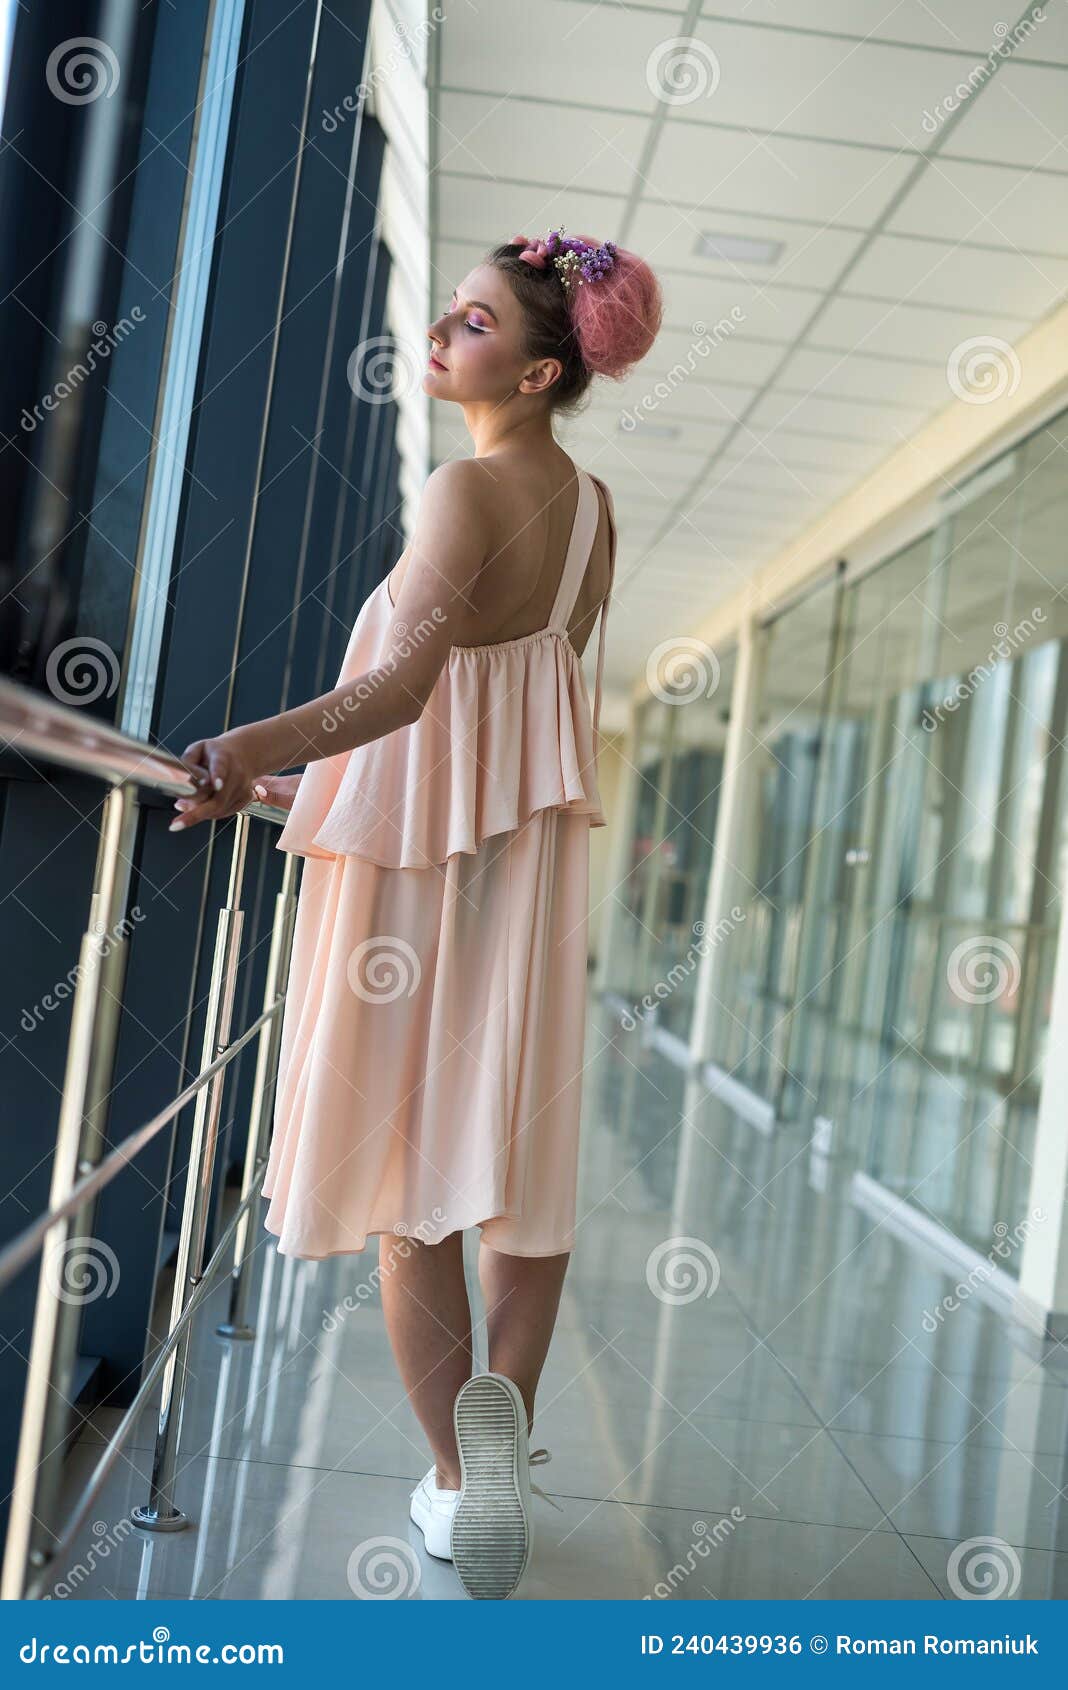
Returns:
(530, 514)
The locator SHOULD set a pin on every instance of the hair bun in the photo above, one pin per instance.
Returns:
(617, 317)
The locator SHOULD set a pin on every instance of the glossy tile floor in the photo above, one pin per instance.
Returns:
(749, 1394)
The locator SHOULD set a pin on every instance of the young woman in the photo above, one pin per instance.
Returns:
(431, 1059)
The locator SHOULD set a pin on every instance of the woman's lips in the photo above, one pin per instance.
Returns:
(436, 363)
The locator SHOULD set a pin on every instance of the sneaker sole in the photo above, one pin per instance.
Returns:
(491, 1538)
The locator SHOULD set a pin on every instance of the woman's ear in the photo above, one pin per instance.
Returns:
(542, 376)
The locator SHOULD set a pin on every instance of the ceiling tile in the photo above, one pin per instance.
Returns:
(704, 165)
(793, 82)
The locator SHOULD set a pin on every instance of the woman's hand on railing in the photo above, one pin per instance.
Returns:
(277, 789)
(224, 770)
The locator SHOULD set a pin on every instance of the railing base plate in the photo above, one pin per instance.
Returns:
(153, 1522)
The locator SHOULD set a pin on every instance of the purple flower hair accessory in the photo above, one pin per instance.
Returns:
(576, 261)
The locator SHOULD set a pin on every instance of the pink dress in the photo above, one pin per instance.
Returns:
(431, 1054)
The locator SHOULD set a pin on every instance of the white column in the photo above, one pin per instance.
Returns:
(621, 828)
(729, 883)
(1043, 1297)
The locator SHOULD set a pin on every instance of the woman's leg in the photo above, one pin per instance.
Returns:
(428, 1318)
(522, 1296)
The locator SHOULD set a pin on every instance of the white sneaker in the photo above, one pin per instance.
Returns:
(432, 1510)
(492, 1532)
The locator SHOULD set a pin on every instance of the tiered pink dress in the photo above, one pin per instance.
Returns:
(431, 1054)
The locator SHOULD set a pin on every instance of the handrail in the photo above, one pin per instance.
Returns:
(113, 1444)
(21, 1248)
(42, 727)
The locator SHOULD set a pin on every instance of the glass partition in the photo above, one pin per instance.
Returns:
(698, 746)
(755, 990)
(636, 893)
(933, 896)
(681, 741)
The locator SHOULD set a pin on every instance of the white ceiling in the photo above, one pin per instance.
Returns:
(898, 243)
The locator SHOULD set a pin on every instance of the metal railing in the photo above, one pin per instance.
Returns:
(36, 1537)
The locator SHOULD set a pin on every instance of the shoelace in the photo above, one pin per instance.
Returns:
(538, 1457)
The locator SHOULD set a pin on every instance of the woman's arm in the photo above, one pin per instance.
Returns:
(433, 610)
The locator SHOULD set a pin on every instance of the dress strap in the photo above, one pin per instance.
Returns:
(580, 545)
(604, 603)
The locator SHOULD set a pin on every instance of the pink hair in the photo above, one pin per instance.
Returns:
(617, 317)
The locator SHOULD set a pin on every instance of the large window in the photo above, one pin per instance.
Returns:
(658, 931)
(933, 889)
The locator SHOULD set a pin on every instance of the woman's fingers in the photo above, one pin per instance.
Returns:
(194, 758)
(277, 789)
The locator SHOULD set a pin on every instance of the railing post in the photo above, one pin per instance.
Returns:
(159, 1513)
(79, 1140)
(285, 906)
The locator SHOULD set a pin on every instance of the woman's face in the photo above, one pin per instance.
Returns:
(475, 343)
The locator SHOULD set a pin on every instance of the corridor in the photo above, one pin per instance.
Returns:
(755, 1390)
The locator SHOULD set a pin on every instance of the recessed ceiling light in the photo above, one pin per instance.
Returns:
(739, 248)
